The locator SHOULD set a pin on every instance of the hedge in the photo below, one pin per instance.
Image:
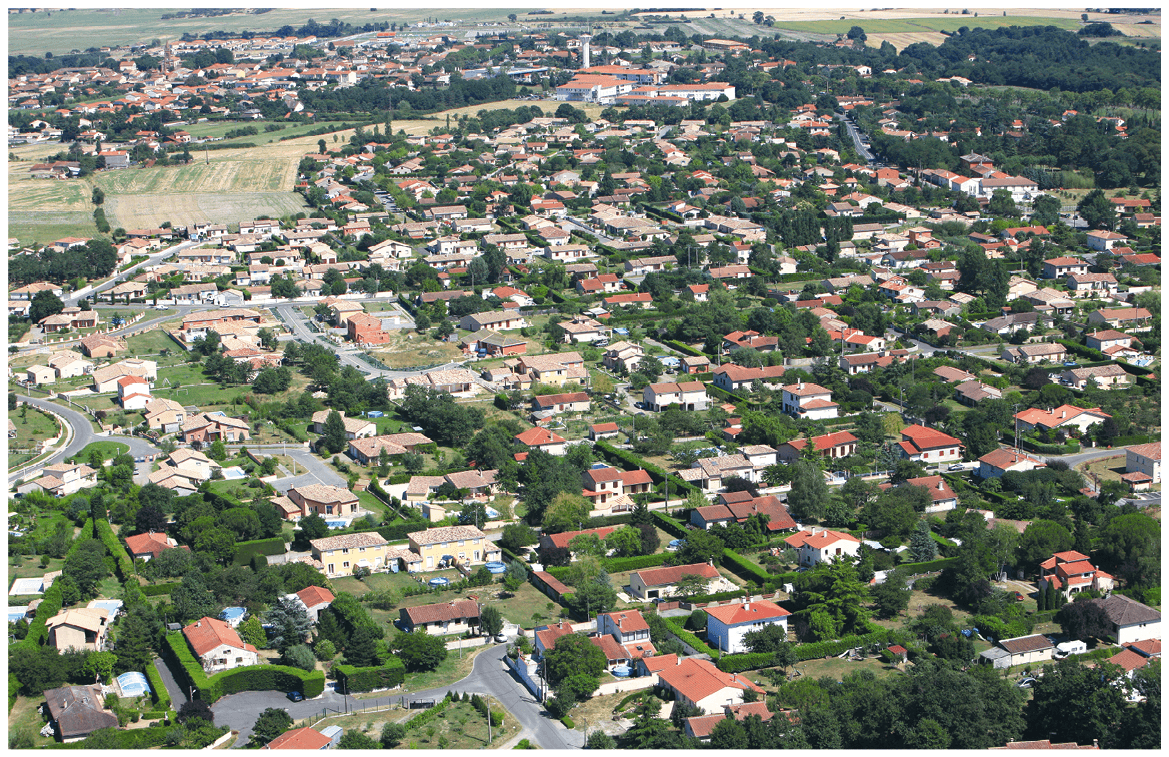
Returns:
(931, 566)
(668, 524)
(1081, 349)
(737, 663)
(13, 686)
(723, 394)
(400, 531)
(744, 568)
(249, 678)
(1124, 441)
(716, 597)
(1070, 448)
(622, 564)
(351, 679)
(125, 565)
(684, 348)
(246, 550)
(819, 649)
(429, 715)
(567, 721)
(138, 738)
(158, 692)
(1104, 653)
(689, 638)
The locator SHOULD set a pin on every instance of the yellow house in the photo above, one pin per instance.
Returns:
(461, 545)
(341, 554)
(82, 629)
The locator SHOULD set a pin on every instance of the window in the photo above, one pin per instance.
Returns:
(345, 564)
(345, 551)
(330, 567)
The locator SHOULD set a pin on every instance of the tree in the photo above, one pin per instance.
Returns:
(1039, 541)
(333, 440)
(217, 543)
(516, 536)
(691, 584)
(857, 33)
(1131, 544)
(1067, 683)
(290, 623)
(1083, 619)
(420, 652)
(891, 597)
(43, 305)
(650, 541)
(490, 620)
(809, 496)
(829, 599)
(393, 734)
(100, 665)
(355, 739)
(361, 651)
(86, 567)
(699, 547)
(625, 541)
(573, 655)
(922, 547)
(895, 510)
(312, 526)
(600, 740)
(325, 650)
(218, 451)
(271, 723)
(136, 636)
(587, 544)
(300, 656)
(769, 639)
(196, 709)
(149, 518)
(1097, 211)
(566, 512)
(252, 632)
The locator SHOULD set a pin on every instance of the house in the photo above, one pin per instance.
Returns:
(547, 636)
(1105, 240)
(994, 464)
(453, 545)
(1111, 342)
(1058, 268)
(572, 402)
(459, 616)
(732, 509)
(70, 365)
(709, 472)
(702, 726)
(581, 328)
(355, 428)
(659, 583)
(599, 431)
(211, 427)
(625, 627)
(342, 554)
(542, 438)
(1100, 376)
(40, 375)
(496, 321)
(165, 415)
(133, 393)
(1131, 621)
(564, 538)
(61, 479)
(688, 395)
(218, 647)
(823, 545)
(701, 684)
(300, 738)
(106, 379)
(1091, 284)
(1144, 460)
(1030, 354)
(839, 444)
(1071, 573)
(150, 545)
(811, 401)
(493, 344)
(1021, 650)
(368, 450)
(1120, 318)
(928, 445)
(315, 599)
(727, 625)
(623, 356)
(325, 500)
(365, 329)
(732, 378)
(942, 497)
(1063, 416)
(82, 629)
(78, 711)
(692, 365)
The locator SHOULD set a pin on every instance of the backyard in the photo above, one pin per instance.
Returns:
(32, 428)
(460, 726)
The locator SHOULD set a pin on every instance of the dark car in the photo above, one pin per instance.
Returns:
(296, 696)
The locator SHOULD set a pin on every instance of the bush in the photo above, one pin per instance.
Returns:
(352, 679)
(624, 564)
(124, 566)
(689, 638)
(568, 722)
(744, 568)
(158, 693)
(737, 663)
(832, 648)
(668, 524)
(158, 590)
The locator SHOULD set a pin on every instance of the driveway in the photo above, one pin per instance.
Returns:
(239, 711)
(178, 697)
(315, 470)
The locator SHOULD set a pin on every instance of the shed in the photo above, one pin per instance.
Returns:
(333, 732)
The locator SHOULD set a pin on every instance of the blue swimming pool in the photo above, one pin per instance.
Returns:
(233, 614)
(234, 473)
(336, 523)
(440, 581)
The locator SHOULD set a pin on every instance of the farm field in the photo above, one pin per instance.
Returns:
(406, 350)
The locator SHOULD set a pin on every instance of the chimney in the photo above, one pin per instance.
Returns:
(941, 485)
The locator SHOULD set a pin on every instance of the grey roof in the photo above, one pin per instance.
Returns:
(1123, 611)
(78, 710)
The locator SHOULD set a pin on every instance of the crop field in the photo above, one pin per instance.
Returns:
(41, 211)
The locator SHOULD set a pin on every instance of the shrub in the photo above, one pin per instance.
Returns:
(737, 663)
(158, 590)
(744, 568)
(624, 564)
(158, 693)
(352, 679)
(246, 550)
(124, 566)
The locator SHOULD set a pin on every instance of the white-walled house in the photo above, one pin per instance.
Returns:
(1131, 621)
(218, 647)
(823, 545)
(811, 401)
(727, 625)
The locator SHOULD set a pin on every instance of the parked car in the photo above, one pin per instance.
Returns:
(956, 466)
(296, 696)
(1026, 683)
(1018, 597)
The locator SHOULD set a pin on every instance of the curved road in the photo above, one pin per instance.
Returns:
(488, 676)
(83, 435)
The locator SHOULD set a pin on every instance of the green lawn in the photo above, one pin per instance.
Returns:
(151, 343)
(107, 450)
(30, 567)
(32, 425)
(205, 396)
(837, 669)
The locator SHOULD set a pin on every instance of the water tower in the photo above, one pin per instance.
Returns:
(584, 50)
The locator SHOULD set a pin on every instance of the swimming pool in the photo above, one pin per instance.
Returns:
(233, 615)
(336, 523)
(233, 473)
(133, 684)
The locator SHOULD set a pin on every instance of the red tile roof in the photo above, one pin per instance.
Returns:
(315, 595)
(747, 612)
(927, 438)
(562, 539)
(673, 574)
(206, 634)
(300, 738)
(630, 620)
(697, 679)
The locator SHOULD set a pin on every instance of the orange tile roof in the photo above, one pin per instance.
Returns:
(300, 738)
(315, 595)
(747, 612)
(206, 634)
(671, 575)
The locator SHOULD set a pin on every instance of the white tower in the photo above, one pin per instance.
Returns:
(584, 50)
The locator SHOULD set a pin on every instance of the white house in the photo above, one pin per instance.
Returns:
(1131, 621)
(218, 646)
(727, 625)
(811, 401)
(994, 464)
(1146, 459)
(823, 545)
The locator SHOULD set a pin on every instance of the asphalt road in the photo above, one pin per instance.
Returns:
(853, 132)
(132, 270)
(316, 470)
(82, 435)
(488, 676)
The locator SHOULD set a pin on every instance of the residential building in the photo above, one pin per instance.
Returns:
(554, 404)
(1021, 650)
(1031, 354)
(835, 445)
(738, 507)
(1100, 376)
(659, 583)
(735, 378)
(942, 497)
(702, 727)
(994, 464)
(342, 554)
(81, 629)
(453, 545)
(1131, 621)
(701, 684)
(301, 739)
(1144, 460)
(61, 479)
(77, 711)
(811, 401)
(564, 538)
(218, 647)
(623, 355)
(355, 428)
(727, 625)
(459, 616)
(687, 395)
(542, 438)
(314, 599)
(1071, 573)
(928, 445)
(1133, 319)
(325, 500)
(217, 426)
(147, 546)
(1064, 416)
(823, 545)
(368, 450)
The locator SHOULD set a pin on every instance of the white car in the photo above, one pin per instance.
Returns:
(161, 307)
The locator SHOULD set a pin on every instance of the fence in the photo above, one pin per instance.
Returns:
(631, 684)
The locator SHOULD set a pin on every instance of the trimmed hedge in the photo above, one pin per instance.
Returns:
(1069, 448)
(622, 564)
(684, 348)
(743, 567)
(931, 566)
(716, 597)
(668, 524)
(138, 738)
(246, 550)
(399, 531)
(689, 638)
(737, 663)
(352, 679)
(158, 590)
(51, 600)
(1082, 349)
(429, 715)
(158, 692)
(832, 648)
(123, 562)
(249, 678)
(567, 721)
